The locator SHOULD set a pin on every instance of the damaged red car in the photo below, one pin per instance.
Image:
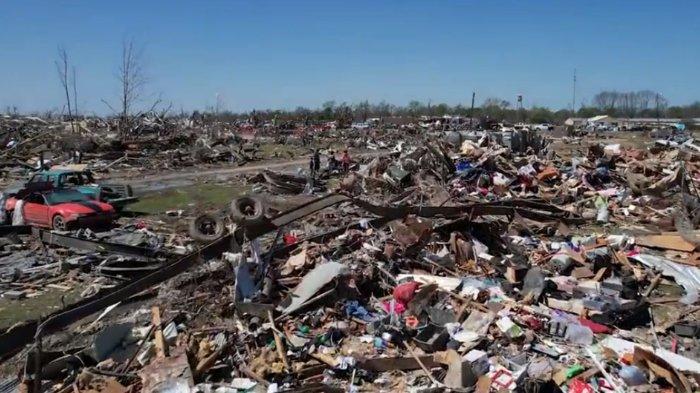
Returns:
(62, 210)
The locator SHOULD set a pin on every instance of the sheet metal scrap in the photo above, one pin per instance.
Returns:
(49, 237)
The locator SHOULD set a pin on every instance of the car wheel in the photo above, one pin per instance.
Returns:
(247, 209)
(206, 228)
(58, 223)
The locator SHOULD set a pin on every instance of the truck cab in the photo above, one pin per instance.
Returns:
(117, 195)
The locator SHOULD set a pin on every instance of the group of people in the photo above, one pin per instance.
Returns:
(333, 163)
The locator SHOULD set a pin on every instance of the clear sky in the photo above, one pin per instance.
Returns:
(283, 54)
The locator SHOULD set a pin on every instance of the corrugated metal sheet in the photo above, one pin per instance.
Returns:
(10, 385)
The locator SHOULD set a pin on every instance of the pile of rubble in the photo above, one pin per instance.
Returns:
(152, 143)
(36, 260)
(470, 264)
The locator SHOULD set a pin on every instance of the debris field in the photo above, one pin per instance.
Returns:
(475, 261)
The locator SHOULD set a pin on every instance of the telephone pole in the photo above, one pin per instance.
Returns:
(573, 101)
(471, 111)
(521, 116)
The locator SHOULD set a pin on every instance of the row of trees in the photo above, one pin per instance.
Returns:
(493, 108)
(643, 103)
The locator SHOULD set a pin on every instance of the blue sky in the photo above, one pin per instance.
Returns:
(283, 54)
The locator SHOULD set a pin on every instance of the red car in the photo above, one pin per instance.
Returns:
(63, 209)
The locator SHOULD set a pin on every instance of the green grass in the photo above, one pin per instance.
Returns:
(200, 196)
(48, 301)
(298, 151)
(282, 151)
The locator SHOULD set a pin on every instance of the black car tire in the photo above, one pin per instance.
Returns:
(206, 228)
(58, 223)
(247, 210)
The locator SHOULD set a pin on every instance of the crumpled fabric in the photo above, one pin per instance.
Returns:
(463, 165)
(403, 293)
(398, 307)
(353, 308)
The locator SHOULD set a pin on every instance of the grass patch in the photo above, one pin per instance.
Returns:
(13, 311)
(199, 196)
(273, 150)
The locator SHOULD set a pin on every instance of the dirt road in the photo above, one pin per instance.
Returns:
(189, 176)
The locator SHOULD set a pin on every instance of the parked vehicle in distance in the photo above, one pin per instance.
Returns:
(543, 127)
(117, 195)
(62, 209)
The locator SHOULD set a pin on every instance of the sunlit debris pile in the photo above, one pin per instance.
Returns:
(467, 264)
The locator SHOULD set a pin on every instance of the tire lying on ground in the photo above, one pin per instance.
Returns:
(247, 210)
(206, 228)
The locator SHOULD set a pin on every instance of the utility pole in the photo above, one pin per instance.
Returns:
(471, 111)
(573, 101)
(658, 115)
(520, 108)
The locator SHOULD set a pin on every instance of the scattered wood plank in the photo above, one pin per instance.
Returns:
(667, 242)
(278, 341)
(159, 339)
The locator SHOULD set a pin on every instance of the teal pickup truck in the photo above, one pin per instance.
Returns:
(117, 195)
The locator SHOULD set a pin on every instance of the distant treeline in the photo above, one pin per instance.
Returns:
(643, 103)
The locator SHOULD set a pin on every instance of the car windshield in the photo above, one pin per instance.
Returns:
(74, 178)
(54, 198)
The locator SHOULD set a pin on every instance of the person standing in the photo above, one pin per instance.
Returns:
(332, 161)
(345, 160)
(314, 163)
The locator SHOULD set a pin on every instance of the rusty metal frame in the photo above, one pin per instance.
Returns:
(48, 237)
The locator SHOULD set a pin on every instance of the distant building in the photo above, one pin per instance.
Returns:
(575, 121)
(627, 124)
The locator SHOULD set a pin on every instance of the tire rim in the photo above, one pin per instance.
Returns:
(207, 226)
(247, 207)
(58, 223)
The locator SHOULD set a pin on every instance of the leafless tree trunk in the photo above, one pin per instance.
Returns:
(62, 69)
(219, 104)
(75, 94)
(132, 79)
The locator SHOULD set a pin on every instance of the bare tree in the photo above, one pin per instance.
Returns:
(631, 103)
(62, 69)
(75, 94)
(496, 102)
(131, 77)
(362, 109)
(219, 104)
(132, 80)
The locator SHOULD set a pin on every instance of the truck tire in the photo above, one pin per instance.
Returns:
(206, 228)
(247, 210)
